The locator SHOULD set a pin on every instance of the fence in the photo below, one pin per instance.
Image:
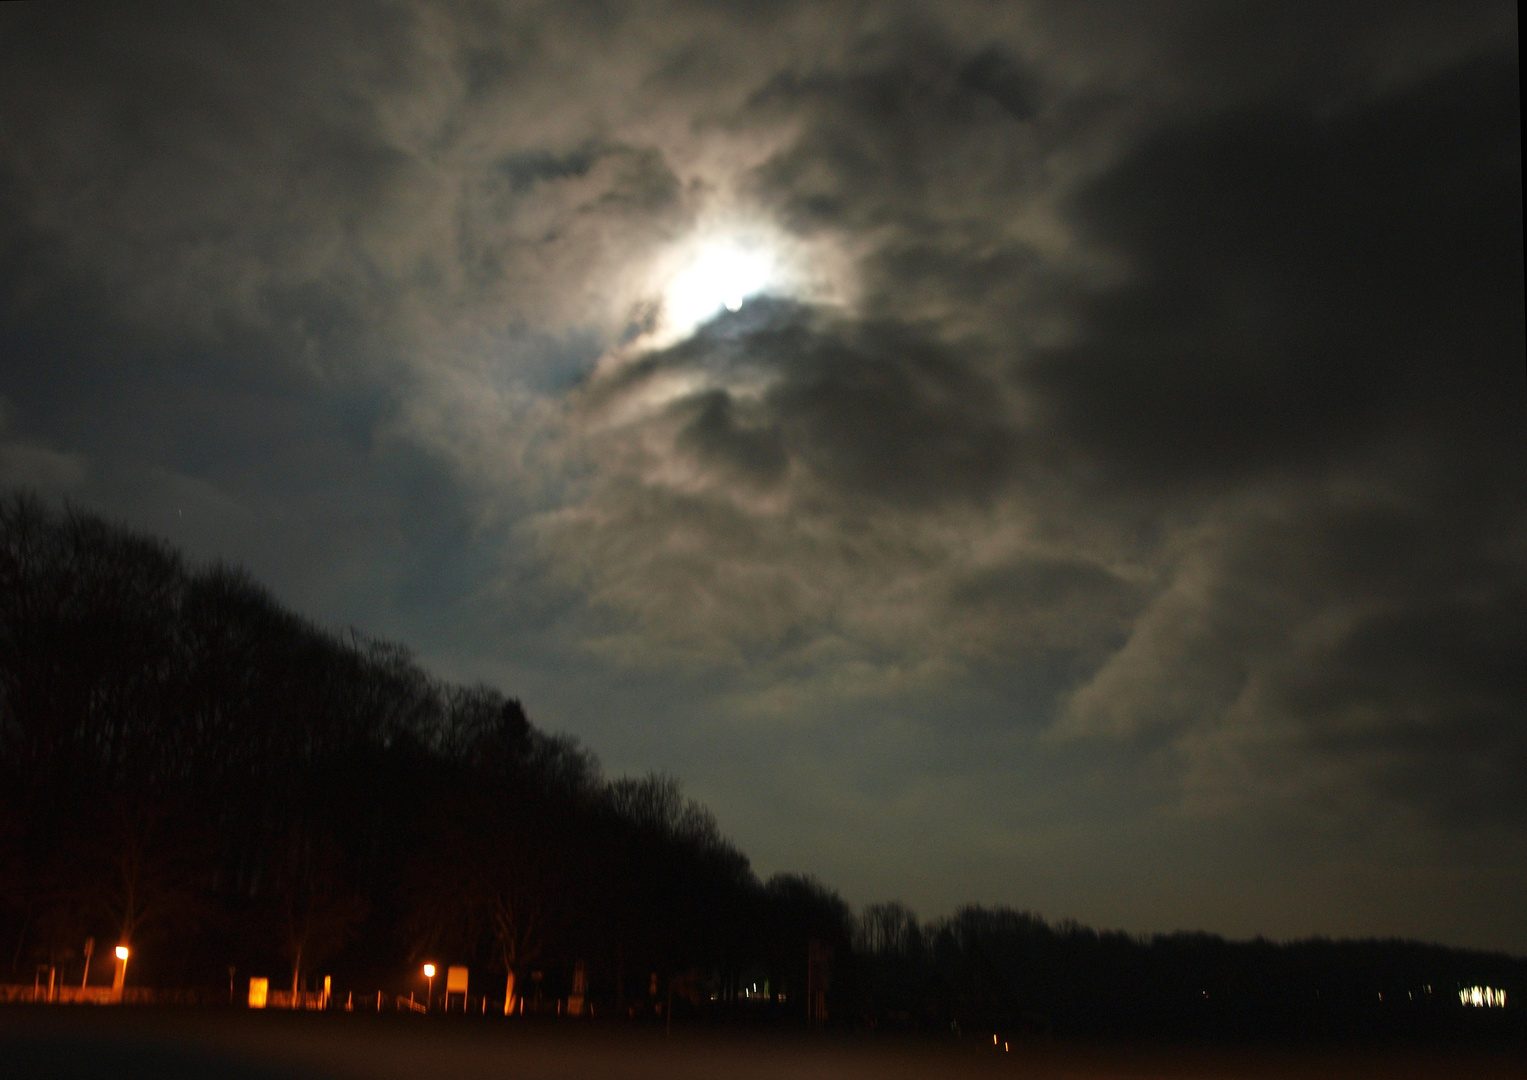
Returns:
(21, 993)
(26, 993)
(302, 999)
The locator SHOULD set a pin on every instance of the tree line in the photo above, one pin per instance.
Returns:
(1011, 972)
(189, 768)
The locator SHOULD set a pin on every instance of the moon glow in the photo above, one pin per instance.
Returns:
(721, 276)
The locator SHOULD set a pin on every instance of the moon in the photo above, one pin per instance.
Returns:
(721, 276)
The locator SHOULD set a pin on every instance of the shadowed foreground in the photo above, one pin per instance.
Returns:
(126, 1043)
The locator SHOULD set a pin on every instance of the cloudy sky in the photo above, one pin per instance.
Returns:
(1069, 455)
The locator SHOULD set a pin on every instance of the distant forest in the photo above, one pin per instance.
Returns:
(190, 768)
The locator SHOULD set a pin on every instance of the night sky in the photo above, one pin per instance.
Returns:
(1065, 455)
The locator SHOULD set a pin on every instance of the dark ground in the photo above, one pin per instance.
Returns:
(84, 1041)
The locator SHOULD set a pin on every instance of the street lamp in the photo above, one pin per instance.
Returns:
(122, 954)
(429, 973)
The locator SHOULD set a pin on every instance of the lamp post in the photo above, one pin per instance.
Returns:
(123, 952)
(429, 973)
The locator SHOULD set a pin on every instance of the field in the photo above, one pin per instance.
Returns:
(81, 1042)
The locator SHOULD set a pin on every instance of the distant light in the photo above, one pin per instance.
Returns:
(1483, 996)
(121, 952)
(429, 971)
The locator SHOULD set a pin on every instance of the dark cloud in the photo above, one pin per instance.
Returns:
(1005, 81)
(1411, 659)
(871, 411)
(190, 156)
(1301, 286)
(1340, 298)
(1432, 697)
(938, 150)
